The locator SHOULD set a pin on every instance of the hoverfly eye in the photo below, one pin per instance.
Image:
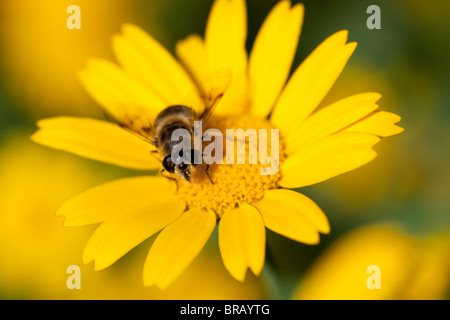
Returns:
(182, 166)
(168, 164)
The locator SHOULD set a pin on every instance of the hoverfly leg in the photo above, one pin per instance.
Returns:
(207, 173)
(156, 155)
(170, 178)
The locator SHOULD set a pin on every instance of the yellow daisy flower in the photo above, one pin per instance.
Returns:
(314, 146)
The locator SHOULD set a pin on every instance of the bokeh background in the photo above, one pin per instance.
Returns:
(393, 212)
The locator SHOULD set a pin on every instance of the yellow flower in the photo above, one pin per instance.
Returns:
(36, 250)
(408, 268)
(39, 31)
(314, 146)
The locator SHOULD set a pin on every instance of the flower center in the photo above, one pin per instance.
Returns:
(236, 180)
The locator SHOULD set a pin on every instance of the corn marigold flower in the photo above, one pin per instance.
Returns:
(314, 146)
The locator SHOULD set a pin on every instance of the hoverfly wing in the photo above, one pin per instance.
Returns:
(212, 90)
(208, 95)
(139, 122)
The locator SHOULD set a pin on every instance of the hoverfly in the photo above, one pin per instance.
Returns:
(179, 116)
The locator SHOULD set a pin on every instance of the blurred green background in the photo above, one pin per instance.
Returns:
(406, 186)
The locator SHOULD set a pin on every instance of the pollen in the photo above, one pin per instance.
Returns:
(232, 184)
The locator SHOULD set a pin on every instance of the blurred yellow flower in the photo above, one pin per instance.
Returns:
(409, 268)
(36, 250)
(315, 146)
(42, 55)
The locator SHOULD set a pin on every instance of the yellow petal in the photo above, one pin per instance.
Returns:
(311, 81)
(146, 59)
(124, 195)
(226, 33)
(293, 215)
(97, 140)
(327, 158)
(223, 49)
(128, 228)
(192, 53)
(119, 93)
(242, 241)
(272, 55)
(177, 245)
(379, 123)
(331, 119)
(134, 62)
